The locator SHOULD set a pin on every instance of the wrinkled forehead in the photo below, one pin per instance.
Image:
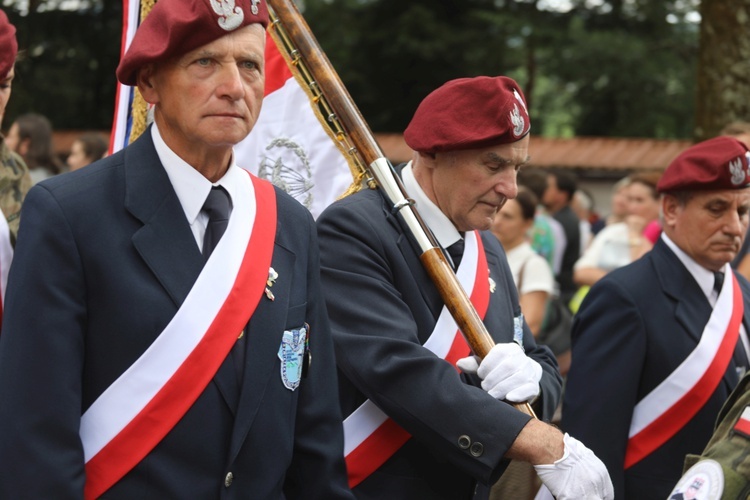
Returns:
(740, 197)
(247, 41)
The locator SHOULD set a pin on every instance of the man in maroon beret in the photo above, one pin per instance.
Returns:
(165, 305)
(14, 174)
(420, 421)
(659, 344)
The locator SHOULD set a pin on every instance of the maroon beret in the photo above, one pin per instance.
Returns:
(469, 113)
(175, 27)
(8, 45)
(718, 163)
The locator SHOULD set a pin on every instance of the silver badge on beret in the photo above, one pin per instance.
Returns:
(737, 170)
(520, 99)
(519, 124)
(291, 353)
(230, 16)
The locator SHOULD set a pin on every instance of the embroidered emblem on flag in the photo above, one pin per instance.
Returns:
(743, 423)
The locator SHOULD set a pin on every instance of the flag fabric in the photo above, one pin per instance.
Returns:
(6, 257)
(287, 146)
(123, 118)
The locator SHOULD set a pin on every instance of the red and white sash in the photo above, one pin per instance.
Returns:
(135, 413)
(6, 257)
(665, 410)
(370, 436)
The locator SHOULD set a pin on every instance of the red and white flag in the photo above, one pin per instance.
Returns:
(288, 145)
(123, 118)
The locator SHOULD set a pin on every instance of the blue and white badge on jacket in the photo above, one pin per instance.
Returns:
(291, 352)
(518, 330)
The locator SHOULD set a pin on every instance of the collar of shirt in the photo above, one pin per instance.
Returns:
(192, 187)
(189, 184)
(701, 275)
(445, 232)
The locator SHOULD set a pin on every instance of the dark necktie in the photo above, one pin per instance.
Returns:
(718, 282)
(456, 251)
(217, 208)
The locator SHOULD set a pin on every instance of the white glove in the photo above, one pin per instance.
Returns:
(506, 373)
(578, 475)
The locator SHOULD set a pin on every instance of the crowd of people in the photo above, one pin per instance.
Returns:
(194, 333)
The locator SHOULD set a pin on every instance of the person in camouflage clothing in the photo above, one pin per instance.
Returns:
(722, 471)
(14, 184)
(14, 175)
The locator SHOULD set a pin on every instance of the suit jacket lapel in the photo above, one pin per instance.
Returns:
(264, 334)
(165, 242)
(692, 309)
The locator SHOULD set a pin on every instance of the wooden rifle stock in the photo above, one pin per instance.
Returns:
(291, 32)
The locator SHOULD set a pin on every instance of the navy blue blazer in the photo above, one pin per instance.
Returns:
(105, 257)
(633, 329)
(383, 307)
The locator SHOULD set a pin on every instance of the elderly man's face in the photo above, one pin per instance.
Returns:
(710, 226)
(470, 186)
(209, 98)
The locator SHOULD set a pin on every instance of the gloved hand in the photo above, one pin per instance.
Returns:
(578, 475)
(506, 373)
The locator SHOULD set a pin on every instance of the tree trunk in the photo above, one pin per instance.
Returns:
(723, 92)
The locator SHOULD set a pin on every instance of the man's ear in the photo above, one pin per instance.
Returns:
(145, 82)
(669, 209)
(427, 159)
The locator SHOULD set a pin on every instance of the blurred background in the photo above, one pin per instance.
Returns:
(619, 70)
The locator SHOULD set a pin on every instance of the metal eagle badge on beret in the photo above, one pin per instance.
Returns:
(230, 16)
(291, 353)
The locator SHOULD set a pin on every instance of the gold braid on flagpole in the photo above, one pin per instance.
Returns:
(139, 109)
(321, 107)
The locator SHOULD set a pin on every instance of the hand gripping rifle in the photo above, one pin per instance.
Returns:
(297, 43)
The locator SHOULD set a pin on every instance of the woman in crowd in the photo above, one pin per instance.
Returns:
(531, 272)
(86, 149)
(31, 137)
(621, 243)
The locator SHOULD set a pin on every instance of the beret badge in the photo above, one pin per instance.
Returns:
(517, 120)
(230, 17)
(737, 170)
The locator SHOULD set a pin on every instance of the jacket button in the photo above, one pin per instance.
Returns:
(464, 442)
(228, 479)
(477, 449)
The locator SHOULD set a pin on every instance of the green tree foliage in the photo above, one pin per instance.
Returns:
(620, 68)
(597, 67)
(66, 68)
